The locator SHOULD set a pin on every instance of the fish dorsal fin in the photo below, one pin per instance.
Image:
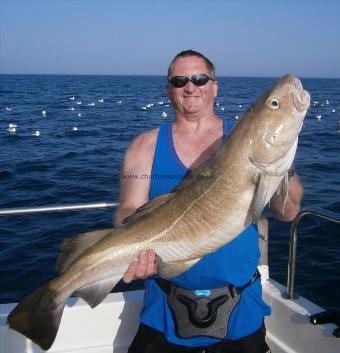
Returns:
(148, 207)
(73, 247)
(173, 269)
(96, 292)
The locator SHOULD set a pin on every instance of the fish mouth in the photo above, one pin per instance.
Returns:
(301, 98)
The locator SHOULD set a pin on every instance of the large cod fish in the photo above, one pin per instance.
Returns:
(212, 205)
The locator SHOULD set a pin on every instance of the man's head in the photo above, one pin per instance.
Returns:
(192, 85)
(187, 53)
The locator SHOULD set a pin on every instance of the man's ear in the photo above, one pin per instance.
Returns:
(215, 87)
(168, 91)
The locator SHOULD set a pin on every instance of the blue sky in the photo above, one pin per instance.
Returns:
(243, 38)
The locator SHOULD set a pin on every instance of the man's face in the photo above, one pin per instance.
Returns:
(191, 99)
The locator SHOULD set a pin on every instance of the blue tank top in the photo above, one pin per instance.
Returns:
(235, 263)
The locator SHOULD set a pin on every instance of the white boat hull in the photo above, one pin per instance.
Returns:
(289, 329)
(108, 328)
(111, 326)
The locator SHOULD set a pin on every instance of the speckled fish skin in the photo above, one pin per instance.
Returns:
(212, 205)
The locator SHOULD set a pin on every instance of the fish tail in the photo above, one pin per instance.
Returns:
(38, 316)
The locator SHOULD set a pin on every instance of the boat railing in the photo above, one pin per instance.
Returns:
(56, 208)
(316, 212)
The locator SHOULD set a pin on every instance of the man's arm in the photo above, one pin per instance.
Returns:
(293, 201)
(134, 181)
(134, 192)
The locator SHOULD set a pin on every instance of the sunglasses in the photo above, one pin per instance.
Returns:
(197, 80)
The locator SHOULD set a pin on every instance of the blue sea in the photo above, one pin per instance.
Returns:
(88, 124)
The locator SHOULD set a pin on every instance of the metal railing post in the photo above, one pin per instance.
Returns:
(321, 213)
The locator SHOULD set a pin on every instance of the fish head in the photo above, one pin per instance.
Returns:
(276, 120)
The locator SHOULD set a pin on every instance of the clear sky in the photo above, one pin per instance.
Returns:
(243, 38)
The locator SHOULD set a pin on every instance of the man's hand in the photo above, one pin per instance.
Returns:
(145, 267)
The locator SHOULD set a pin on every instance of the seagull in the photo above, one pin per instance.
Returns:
(12, 130)
(119, 102)
(79, 114)
(12, 125)
(90, 104)
(44, 113)
(164, 114)
(72, 98)
(318, 117)
(101, 100)
(36, 133)
(79, 102)
(71, 109)
(8, 109)
(75, 128)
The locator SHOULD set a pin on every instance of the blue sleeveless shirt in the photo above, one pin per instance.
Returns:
(235, 263)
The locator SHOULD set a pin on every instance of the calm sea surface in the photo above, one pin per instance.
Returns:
(77, 157)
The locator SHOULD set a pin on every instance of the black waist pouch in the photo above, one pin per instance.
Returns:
(202, 312)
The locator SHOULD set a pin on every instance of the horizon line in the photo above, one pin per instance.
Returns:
(159, 75)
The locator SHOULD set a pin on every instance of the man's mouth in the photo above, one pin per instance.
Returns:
(190, 97)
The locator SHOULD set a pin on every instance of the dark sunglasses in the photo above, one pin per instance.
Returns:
(197, 80)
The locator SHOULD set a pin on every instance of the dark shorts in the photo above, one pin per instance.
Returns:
(149, 340)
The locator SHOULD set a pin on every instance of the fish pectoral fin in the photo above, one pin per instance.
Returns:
(148, 207)
(173, 269)
(259, 200)
(282, 190)
(96, 292)
(73, 247)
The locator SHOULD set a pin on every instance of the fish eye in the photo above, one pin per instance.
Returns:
(273, 103)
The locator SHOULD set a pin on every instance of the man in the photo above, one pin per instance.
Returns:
(166, 155)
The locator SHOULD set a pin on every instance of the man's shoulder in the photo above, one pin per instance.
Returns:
(146, 139)
(143, 144)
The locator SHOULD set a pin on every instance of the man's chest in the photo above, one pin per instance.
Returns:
(194, 152)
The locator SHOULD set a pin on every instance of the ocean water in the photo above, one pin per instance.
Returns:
(77, 157)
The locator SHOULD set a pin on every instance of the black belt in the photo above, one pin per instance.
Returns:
(202, 312)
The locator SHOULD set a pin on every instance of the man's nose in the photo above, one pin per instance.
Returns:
(189, 87)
